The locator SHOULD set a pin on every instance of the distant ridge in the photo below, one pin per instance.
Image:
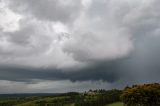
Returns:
(30, 94)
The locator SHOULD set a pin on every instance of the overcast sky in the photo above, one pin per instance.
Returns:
(76, 45)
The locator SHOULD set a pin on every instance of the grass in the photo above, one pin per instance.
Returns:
(47, 99)
(116, 104)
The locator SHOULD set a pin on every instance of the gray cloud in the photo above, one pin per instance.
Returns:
(50, 86)
(106, 72)
(80, 41)
(52, 10)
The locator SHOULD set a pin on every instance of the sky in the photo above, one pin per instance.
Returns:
(51, 46)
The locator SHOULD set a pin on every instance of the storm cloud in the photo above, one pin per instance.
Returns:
(110, 43)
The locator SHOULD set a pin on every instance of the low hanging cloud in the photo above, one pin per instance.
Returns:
(79, 40)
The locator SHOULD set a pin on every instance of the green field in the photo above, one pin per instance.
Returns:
(91, 98)
(116, 104)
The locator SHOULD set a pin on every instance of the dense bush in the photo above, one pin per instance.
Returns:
(142, 95)
(99, 98)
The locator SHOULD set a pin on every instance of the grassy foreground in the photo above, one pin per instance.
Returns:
(116, 104)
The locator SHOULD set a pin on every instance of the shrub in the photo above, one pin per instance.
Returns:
(142, 95)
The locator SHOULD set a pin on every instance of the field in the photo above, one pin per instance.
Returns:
(116, 104)
(90, 98)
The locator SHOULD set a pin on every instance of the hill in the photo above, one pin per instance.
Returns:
(90, 98)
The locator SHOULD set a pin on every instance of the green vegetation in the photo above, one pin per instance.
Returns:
(90, 98)
(99, 98)
(137, 95)
(116, 104)
(142, 95)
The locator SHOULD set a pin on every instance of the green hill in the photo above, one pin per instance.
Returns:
(90, 98)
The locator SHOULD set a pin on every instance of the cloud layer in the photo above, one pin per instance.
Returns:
(79, 40)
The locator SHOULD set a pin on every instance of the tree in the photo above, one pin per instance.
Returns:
(142, 95)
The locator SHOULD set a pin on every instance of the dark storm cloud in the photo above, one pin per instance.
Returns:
(79, 40)
(139, 64)
(26, 74)
(107, 71)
